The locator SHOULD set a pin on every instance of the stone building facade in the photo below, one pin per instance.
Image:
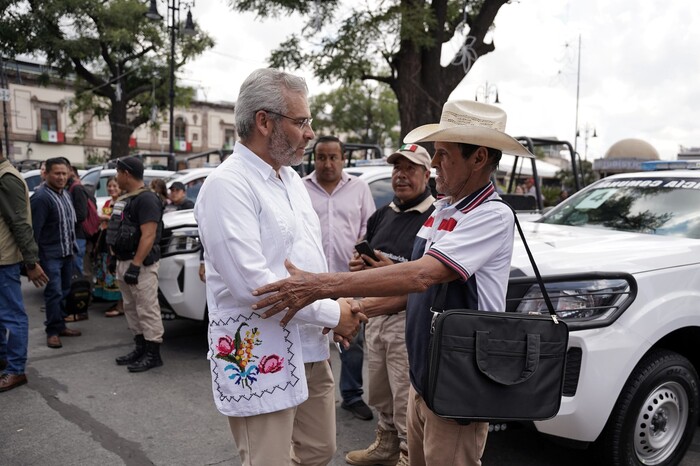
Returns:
(39, 124)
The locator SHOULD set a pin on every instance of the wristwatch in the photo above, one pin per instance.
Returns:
(30, 265)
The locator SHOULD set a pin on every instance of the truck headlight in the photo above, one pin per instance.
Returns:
(582, 303)
(182, 241)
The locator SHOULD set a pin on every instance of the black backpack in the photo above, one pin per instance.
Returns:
(80, 294)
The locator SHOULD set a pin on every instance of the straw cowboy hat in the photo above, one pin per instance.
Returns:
(470, 122)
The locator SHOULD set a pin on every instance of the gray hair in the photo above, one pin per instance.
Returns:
(264, 89)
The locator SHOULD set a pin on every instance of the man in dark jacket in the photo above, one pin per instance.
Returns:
(53, 219)
(16, 245)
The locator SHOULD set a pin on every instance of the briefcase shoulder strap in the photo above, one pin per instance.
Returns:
(441, 296)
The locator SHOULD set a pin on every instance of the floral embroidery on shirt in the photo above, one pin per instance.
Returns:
(270, 364)
(239, 352)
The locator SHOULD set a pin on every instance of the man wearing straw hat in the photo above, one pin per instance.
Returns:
(467, 243)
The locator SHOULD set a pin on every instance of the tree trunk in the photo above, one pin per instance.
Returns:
(422, 85)
(121, 131)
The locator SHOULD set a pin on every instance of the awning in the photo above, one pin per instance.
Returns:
(544, 169)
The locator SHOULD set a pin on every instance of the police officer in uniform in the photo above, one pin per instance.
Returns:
(133, 234)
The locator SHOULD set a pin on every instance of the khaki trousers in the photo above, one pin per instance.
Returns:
(303, 435)
(387, 368)
(141, 306)
(435, 441)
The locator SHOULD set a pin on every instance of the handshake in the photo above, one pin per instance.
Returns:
(351, 318)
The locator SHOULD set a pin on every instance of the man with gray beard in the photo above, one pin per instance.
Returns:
(273, 382)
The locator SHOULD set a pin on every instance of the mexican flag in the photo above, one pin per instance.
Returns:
(52, 136)
(183, 146)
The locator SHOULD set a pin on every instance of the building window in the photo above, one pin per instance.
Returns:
(180, 129)
(49, 120)
(164, 134)
(195, 136)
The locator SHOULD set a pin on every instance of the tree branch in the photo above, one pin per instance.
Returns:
(382, 79)
(99, 85)
(137, 121)
(136, 56)
(104, 51)
(137, 91)
(452, 75)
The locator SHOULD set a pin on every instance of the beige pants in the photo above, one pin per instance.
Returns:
(435, 441)
(387, 368)
(303, 435)
(141, 306)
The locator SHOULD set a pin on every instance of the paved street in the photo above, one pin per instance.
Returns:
(79, 408)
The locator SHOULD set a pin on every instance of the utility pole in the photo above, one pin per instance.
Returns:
(578, 85)
(174, 26)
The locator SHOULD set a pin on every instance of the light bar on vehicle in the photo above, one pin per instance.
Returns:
(370, 162)
(654, 165)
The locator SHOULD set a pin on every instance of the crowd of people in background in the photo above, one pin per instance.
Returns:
(59, 239)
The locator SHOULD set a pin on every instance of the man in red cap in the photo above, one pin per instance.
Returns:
(391, 232)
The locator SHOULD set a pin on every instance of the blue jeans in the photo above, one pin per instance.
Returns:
(56, 291)
(351, 370)
(14, 324)
(81, 243)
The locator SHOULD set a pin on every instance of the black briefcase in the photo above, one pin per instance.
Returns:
(488, 366)
(496, 366)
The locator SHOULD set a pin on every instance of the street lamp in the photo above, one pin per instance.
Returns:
(487, 92)
(174, 26)
(587, 130)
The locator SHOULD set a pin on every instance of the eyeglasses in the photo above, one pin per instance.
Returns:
(300, 122)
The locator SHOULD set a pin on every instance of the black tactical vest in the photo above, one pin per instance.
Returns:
(124, 234)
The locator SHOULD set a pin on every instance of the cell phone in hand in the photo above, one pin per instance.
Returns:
(363, 247)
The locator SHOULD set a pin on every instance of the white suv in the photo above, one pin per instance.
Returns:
(179, 288)
(622, 263)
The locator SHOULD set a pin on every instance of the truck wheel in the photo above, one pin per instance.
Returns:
(655, 416)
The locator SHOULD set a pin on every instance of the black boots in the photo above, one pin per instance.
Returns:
(136, 354)
(149, 360)
(146, 355)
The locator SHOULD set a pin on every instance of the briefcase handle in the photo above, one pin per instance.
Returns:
(532, 358)
(439, 302)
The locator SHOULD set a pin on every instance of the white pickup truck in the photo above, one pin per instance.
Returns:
(621, 260)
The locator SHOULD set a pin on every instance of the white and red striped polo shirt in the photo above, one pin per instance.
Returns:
(474, 238)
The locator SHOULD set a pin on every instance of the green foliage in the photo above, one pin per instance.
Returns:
(567, 178)
(551, 195)
(95, 156)
(118, 58)
(396, 42)
(357, 113)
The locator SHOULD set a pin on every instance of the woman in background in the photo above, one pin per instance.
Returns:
(106, 287)
(158, 187)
